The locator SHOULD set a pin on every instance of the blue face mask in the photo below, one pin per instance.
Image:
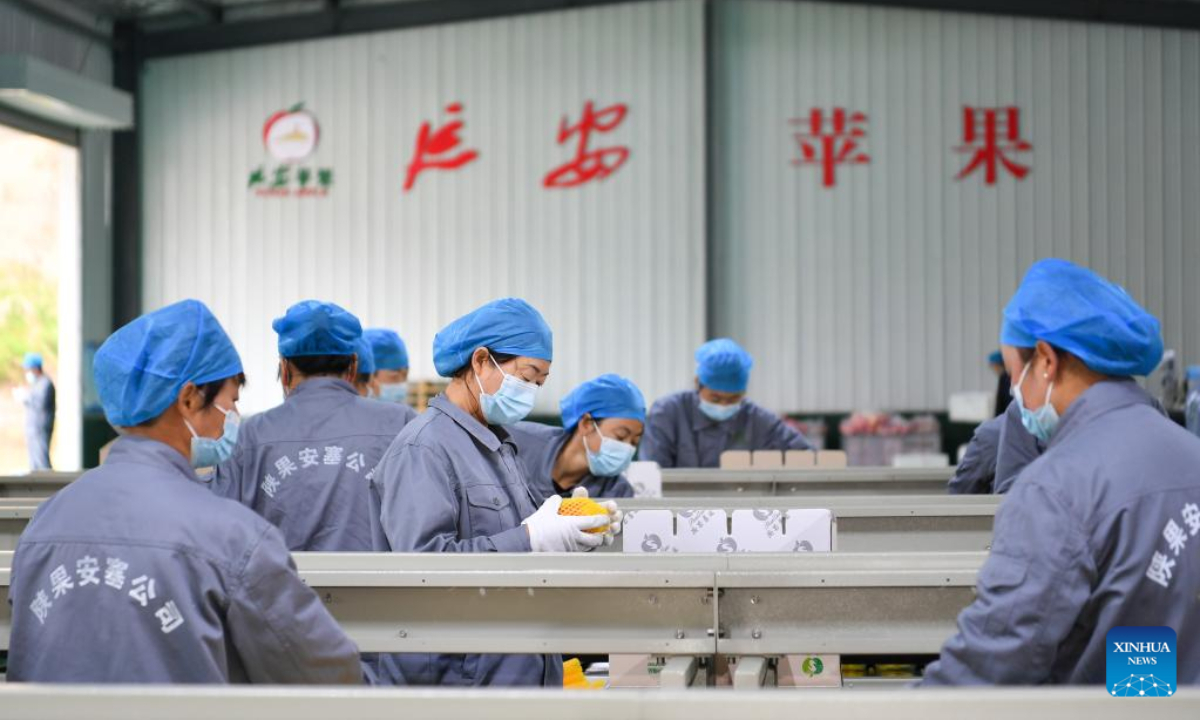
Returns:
(209, 452)
(393, 392)
(509, 405)
(613, 458)
(719, 413)
(1040, 423)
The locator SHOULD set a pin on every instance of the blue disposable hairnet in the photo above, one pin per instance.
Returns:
(366, 356)
(510, 326)
(723, 365)
(995, 358)
(1073, 308)
(32, 360)
(608, 396)
(141, 368)
(312, 327)
(390, 352)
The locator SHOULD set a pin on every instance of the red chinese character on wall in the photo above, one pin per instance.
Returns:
(839, 144)
(433, 148)
(986, 145)
(594, 164)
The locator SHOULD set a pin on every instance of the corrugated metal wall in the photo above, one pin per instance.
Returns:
(885, 291)
(616, 266)
(21, 33)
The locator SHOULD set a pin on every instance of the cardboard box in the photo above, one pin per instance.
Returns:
(633, 671)
(799, 459)
(766, 459)
(659, 531)
(712, 530)
(776, 531)
(735, 460)
(810, 671)
(703, 531)
(831, 459)
(649, 531)
(646, 479)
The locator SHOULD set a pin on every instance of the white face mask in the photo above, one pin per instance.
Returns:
(210, 452)
(612, 459)
(393, 392)
(30, 378)
(511, 403)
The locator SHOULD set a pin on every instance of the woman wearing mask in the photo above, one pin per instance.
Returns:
(691, 429)
(136, 573)
(602, 421)
(1100, 531)
(390, 382)
(452, 480)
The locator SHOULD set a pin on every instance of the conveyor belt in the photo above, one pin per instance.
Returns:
(816, 481)
(677, 483)
(907, 523)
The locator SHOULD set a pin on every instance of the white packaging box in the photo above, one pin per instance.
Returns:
(775, 531)
(658, 531)
(921, 460)
(646, 479)
(974, 406)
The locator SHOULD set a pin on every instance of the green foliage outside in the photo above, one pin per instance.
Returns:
(28, 319)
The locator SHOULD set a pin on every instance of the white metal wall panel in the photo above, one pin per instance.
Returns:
(616, 266)
(885, 291)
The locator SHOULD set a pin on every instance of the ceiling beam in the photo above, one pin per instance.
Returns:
(1157, 13)
(337, 18)
(68, 17)
(205, 10)
(341, 19)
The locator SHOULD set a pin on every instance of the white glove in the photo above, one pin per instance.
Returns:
(615, 516)
(551, 532)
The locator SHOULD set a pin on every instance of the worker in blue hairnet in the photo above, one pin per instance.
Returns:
(691, 429)
(364, 378)
(453, 480)
(1102, 530)
(390, 383)
(602, 424)
(1003, 383)
(135, 572)
(998, 452)
(38, 399)
(304, 465)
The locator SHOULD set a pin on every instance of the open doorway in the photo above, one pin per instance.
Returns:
(39, 294)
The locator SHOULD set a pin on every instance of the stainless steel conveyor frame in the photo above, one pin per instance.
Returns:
(46, 702)
(690, 607)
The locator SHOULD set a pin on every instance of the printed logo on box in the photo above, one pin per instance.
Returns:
(1140, 661)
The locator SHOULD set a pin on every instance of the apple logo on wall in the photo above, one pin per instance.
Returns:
(291, 135)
